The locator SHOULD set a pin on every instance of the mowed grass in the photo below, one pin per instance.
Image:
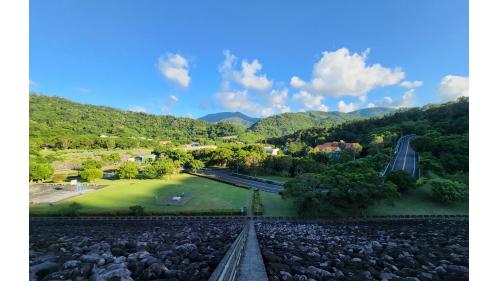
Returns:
(119, 195)
(419, 202)
(275, 206)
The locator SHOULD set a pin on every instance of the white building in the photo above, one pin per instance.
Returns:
(273, 151)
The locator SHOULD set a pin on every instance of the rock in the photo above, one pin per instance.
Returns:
(155, 271)
(112, 272)
(318, 272)
(93, 258)
(440, 270)
(365, 275)
(42, 269)
(356, 260)
(457, 268)
(411, 279)
(286, 276)
(185, 249)
(296, 259)
(71, 264)
(425, 276)
(387, 276)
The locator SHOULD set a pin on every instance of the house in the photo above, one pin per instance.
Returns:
(229, 137)
(329, 147)
(273, 151)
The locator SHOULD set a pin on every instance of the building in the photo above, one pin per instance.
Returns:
(164, 142)
(273, 151)
(329, 147)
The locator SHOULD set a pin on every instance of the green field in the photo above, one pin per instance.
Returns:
(418, 202)
(275, 206)
(119, 195)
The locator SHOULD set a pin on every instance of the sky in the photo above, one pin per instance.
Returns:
(263, 57)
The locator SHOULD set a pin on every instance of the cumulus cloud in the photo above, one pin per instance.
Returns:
(340, 73)
(247, 90)
(172, 100)
(346, 107)
(451, 87)
(138, 109)
(309, 101)
(409, 84)
(239, 101)
(406, 100)
(296, 82)
(33, 83)
(248, 76)
(175, 68)
(278, 100)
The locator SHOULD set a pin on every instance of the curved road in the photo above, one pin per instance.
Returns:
(405, 158)
(225, 175)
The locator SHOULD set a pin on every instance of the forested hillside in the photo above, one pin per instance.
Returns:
(60, 123)
(236, 118)
(333, 185)
(288, 123)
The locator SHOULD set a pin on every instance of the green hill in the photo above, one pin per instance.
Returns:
(236, 118)
(60, 123)
(289, 123)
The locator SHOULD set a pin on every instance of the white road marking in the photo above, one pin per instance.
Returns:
(406, 153)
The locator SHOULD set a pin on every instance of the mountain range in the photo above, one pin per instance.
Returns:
(59, 122)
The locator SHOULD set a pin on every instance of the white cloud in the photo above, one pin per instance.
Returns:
(83, 90)
(172, 100)
(239, 101)
(138, 109)
(340, 73)
(371, 105)
(406, 100)
(452, 87)
(296, 82)
(175, 68)
(248, 76)
(346, 107)
(311, 102)
(33, 83)
(409, 84)
(278, 99)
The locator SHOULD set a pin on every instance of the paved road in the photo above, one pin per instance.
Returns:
(405, 158)
(225, 175)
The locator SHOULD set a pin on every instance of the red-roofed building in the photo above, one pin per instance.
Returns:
(328, 147)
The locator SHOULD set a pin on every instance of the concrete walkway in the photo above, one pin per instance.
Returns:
(252, 266)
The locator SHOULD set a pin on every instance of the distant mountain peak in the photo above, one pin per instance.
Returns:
(236, 118)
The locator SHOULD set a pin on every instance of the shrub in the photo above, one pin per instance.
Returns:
(137, 210)
(404, 181)
(448, 191)
(128, 170)
(58, 178)
(71, 210)
(90, 174)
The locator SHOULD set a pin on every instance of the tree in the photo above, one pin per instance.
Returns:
(404, 181)
(91, 163)
(90, 174)
(448, 191)
(166, 166)
(194, 165)
(40, 171)
(150, 171)
(128, 170)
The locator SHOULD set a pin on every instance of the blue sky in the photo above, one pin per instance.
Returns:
(190, 58)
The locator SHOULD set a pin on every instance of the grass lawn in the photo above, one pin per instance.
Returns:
(418, 202)
(119, 195)
(275, 206)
